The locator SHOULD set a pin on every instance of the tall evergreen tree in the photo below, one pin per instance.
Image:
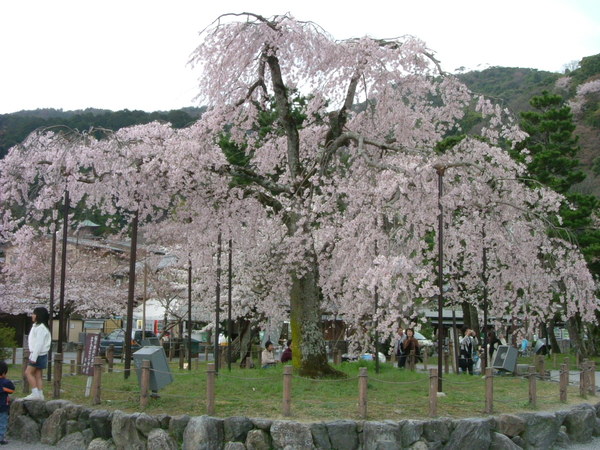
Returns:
(552, 145)
(552, 161)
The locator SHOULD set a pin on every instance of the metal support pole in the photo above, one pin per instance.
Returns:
(130, 295)
(63, 271)
(229, 297)
(376, 295)
(218, 303)
(189, 314)
(440, 172)
(484, 279)
(52, 286)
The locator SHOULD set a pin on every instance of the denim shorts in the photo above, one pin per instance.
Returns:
(40, 363)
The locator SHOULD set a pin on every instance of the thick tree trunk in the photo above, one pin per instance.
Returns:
(470, 317)
(242, 345)
(309, 354)
(575, 337)
(552, 337)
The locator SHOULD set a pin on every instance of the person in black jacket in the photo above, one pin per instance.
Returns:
(493, 344)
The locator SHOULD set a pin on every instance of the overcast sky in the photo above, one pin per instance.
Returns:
(117, 54)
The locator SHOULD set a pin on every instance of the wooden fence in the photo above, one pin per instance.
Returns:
(587, 384)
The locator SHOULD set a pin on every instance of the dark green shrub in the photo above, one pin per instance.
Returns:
(7, 341)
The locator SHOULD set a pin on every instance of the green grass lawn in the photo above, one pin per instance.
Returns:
(392, 394)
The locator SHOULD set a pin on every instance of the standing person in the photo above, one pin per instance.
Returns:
(410, 344)
(267, 358)
(6, 387)
(287, 353)
(467, 347)
(399, 348)
(39, 345)
(493, 344)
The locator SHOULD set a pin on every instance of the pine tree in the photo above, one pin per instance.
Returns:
(552, 161)
(551, 143)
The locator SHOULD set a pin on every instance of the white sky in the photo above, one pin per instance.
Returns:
(117, 54)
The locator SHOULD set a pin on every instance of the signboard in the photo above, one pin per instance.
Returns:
(90, 351)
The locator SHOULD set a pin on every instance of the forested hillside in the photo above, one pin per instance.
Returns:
(16, 126)
(514, 87)
(511, 87)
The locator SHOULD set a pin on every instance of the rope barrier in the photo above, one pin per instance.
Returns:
(337, 380)
(475, 381)
(226, 375)
(423, 380)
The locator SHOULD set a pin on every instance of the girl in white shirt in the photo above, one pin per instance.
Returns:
(39, 345)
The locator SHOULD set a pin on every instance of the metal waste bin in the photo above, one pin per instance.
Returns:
(161, 375)
(505, 358)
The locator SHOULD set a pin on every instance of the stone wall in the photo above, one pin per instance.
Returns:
(70, 426)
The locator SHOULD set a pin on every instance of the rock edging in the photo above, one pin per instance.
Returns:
(66, 425)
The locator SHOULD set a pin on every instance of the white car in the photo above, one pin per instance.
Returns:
(423, 341)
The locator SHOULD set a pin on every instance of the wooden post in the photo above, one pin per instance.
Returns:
(58, 360)
(425, 357)
(452, 357)
(206, 353)
(446, 363)
(592, 378)
(25, 363)
(181, 356)
(73, 370)
(542, 369)
(110, 357)
(564, 382)
(145, 383)
(433, 382)
(489, 390)
(210, 388)
(337, 356)
(362, 392)
(223, 357)
(532, 387)
(592, 382)
(171, 350)
(412, 360)
(583, 378)
(554, 357)
(97, 381)
(79, 358)
(287, 390)
(14, 356)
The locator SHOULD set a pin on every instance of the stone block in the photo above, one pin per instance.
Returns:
(285, 434)
(203, 433)
(159, 439)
